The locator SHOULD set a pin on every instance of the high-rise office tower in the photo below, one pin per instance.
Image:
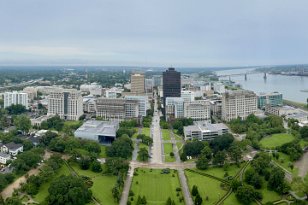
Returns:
(137, 83)
(14, 98)
(171, 84)
(67, 103)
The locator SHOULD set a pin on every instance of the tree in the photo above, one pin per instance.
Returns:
(193, 148)
(96, 166)
(198, 200)
(13, 201)
(260, 162)
(202, 163)
(253, 178)
(22, 122)
(222, 142)
(276, 180)
(47, 137)
(207, 152)
(116, 165)
(68, 190)
(16, 109)
(304, 132)
(116, 193)
(143, 154)
(194, 190)
(235, 153)
(245, 194)
(84, 163)
(121, 147)
(219, 158)
(53, 123)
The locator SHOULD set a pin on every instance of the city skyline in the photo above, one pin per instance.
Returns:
(137, 33)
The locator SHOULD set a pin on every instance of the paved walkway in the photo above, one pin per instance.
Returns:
(183, 180)
(156, 154)
(9, 190)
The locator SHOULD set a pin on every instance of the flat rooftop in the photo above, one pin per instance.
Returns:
(105, 128)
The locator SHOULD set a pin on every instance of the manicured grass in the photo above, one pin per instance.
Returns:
(207, 187)
(165, 134)
(276, 140)
(284, 161)
(167, 149)
(268, 196)
(179, 145)
(156, 187)
(103, 152)
(43, 191)
(303, 143)
(232, 170)
(102, 185)
(232, 200)
(146, 131)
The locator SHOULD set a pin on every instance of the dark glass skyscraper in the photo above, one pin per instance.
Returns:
(171, 84)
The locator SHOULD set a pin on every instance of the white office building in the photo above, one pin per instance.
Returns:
(238, 103)
(93, 89)
(219, 88)
(143, 102)
(67, 103)
(174, 107)
(188, 95)
(14, 98)
(197, 110)
(203, 130)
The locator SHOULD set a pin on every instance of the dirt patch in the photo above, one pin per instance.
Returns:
(302, 165)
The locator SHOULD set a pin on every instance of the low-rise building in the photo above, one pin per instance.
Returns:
(99, 131)
(197, 110)
(12, 148)
(272, 99)
(280, 110)
(38, 121)
(4, 158)
(203, 130)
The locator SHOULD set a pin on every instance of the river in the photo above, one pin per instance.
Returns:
(289, 86)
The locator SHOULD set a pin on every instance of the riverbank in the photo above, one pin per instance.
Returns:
(296, 104)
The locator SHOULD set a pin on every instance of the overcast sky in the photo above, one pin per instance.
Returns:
(195, 33)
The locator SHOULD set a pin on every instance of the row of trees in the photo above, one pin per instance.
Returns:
(215, 152)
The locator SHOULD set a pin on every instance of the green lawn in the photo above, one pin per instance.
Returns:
(303, 143)
(220, 172)
(268, 196)
(146, 131)
(43, 191)
(207, 187)
(141, 145)
(103, 152)
(167, 149)
(156, 187)
(102, 185)
(276, 140)
(232, 200)
(284, 161)
(165, 134)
